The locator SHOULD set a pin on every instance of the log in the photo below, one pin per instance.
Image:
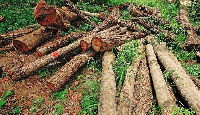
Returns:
(63, 41)
(182, 80)
(192, 41)
(9, 47)
(148, 25)
(31, 40)
(2, 19)
(63, 75)
(122, 6)
(51, 16)
(125, 105)
(162, 93)
(107, 99)
(100, 44)
(79, 13)
(7, 38)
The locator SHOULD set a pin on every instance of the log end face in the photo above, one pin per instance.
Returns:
(96, 44)
(20, 45)
(47, 19)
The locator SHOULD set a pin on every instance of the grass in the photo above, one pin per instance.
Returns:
(3, 98)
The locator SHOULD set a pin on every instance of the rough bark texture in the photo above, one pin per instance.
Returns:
(63, 41)
(143, 90)
(125, 105)
(51, 16)
(100, 44)
(79, 13)
(107, 100)
(121, 7)
(8, 37)
(162, 93)
(63, 75)
(192, 41)
(31, 40)
(184, 84)
(7, 48)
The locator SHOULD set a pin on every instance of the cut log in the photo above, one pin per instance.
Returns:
(9, 47)
(148, 25)
(107, 99)
(63, 41)
(79, 13)
(122, 6)
(162, 93)
(2, 19)
(63, 75)
(125, 105)
(8, 37)
(182, 80)
(31, 40)
(51, 16)
(192, 41)
(100, 44)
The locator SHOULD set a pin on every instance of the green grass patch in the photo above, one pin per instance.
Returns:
(36, 104)
(3, 99)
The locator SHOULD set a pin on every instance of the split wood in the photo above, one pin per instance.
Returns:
(107, 99)
(184, 84)
(162, 93)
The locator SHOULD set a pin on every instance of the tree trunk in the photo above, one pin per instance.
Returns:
(107, 100)
(31, 40)
(79, 13)
(63, 41)
(51, 16)
(192, 41)
(162, 93)
(104, 43)
(125, 105)
(8, 37)
(63, 75)
(186, 87)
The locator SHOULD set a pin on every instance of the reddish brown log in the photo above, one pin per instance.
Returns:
(31, 40)
(2, 19)
(79, 13)
(63, 41)
(8, 37)
(63, 75)
(122, 6)
(100, 44)
(51, 16)
(192, 41)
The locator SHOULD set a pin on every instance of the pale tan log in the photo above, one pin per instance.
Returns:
(31, 40)
(182, 80)
(107, 100)
(125, 105)
(162, 93)
(63, 75)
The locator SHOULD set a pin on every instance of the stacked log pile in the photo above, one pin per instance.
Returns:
(111, 32)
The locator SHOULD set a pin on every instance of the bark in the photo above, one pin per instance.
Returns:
(148, 25)
(143, 99)
(192, 41)
(31, 40)
(162, 93)
(63, 75)
(9, 47)
(51, 16)
(125, 105)
(79, 13)
(107, 100)
(100, 44)
(2, 19)
(63, 41)
(182, 80)
(8, 37)
(122, 6)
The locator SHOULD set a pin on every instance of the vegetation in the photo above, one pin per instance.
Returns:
(3, 99)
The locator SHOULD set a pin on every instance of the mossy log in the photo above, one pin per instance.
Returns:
(162, 93)
(31, 40)
(182, 80)
(63, 41)
(63, 75)
(104, 43)
(107, 99)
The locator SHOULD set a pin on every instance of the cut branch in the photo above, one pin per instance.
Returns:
(107, 103)
(104, 43)
(63, 75)
(184, 84)
(31, 40)
(52, 46)
(162, 93)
